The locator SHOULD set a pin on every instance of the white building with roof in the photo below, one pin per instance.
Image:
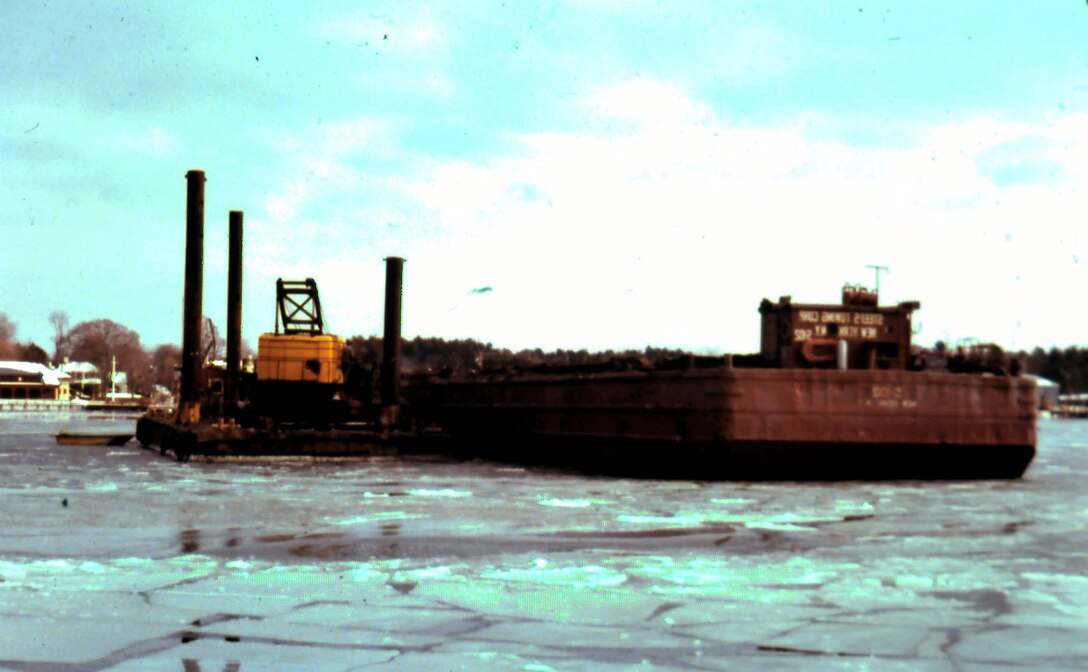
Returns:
(32, 381)
(85, 379)
(1046, 391)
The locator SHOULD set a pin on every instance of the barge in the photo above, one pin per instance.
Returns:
(836, 393)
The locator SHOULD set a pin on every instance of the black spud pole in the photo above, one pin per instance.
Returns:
(390, 372)
(189, 404)
(234, 310)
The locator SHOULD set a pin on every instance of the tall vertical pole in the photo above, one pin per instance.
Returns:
(234, 310)
(390, 372)
(189, 404)
(878, 269)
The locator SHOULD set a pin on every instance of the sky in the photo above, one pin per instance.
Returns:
(585, 174)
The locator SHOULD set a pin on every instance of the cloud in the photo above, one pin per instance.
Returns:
(1031, 158)
(321, 164)
(670, 229)
(648, 102)
(690, 214)
(161, 142)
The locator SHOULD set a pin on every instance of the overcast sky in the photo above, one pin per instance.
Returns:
(619, 174)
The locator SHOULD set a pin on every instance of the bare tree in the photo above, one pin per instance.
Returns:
(8, 348)
(59, 320)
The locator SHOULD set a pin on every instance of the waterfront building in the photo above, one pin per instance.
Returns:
(32, 381)
(85, 379)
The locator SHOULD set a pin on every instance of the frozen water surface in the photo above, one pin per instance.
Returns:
(118, 559)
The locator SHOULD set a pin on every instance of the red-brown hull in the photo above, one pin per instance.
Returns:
(745, 423)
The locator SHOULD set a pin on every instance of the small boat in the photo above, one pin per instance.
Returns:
(109, 406)
(92, 439)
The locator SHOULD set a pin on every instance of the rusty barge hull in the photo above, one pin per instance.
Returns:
(744, 424)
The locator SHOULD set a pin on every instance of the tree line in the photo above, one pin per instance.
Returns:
(1068, 367)
(99, 341)
(429, 353)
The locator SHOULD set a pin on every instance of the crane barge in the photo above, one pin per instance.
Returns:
(837, 392)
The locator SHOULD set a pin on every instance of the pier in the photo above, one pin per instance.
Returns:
(46, 405)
